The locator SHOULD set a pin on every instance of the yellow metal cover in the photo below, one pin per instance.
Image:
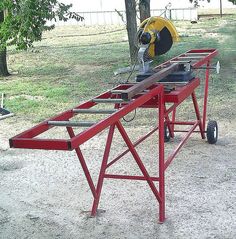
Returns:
(157, 24)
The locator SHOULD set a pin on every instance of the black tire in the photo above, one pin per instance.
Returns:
(212, 132)
(166, 134)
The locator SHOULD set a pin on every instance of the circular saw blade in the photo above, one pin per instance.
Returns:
(164, 43)
(163, 35)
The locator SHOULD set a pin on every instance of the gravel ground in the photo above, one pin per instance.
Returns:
(44, 194)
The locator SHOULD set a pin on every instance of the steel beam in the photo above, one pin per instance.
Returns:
(71, 123)
(136, 89)
(93, 111)
(113, 101)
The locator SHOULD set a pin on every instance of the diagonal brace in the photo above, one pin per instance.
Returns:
(83, 164)
(138, 160)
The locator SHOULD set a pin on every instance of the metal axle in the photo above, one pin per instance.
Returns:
(216, 67)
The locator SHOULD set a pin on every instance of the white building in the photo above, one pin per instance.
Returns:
(111, 5)
(102, 12)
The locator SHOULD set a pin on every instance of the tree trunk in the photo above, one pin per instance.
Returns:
(3, 54)
(3, 63)
(144, 9)
(221, 11)
(130, 6)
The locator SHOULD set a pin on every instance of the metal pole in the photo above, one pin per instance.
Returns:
(205, 96)
(2, 100)
(103, 169)
(83, 164)
(221, 8)
(138, 160)
(198, 114)
(161, 158)
(173, 120)
(167, 121)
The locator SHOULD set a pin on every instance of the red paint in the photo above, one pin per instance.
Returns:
(155, 98)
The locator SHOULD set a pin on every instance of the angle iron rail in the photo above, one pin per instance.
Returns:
(136, 89)
(27, 139)
(208, 54)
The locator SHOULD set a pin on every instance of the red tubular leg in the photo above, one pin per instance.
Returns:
(198, 114)
(138, 160)
(205, 96)
(161, 160)
(170, 127)
(180, 145)
(83, 164)
(135, 144)
(103, 170)
(173, 119)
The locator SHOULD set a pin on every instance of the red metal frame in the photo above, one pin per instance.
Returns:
(154, 98)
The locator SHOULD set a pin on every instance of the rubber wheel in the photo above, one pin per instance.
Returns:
(166, 134)
(212, 132)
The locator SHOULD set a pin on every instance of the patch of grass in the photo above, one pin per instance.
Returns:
(63, 71)
(216, 11)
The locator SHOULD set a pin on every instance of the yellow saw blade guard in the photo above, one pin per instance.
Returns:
(157, 24)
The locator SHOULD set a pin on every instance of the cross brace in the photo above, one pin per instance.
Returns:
(153, 96)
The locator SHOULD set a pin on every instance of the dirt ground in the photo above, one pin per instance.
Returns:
(44, 194)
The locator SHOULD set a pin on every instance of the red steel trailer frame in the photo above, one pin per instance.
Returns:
(154, 97)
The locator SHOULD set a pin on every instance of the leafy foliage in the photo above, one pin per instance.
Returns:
(144, 2)
(195, 2)
(233, 1)
(25, 20)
